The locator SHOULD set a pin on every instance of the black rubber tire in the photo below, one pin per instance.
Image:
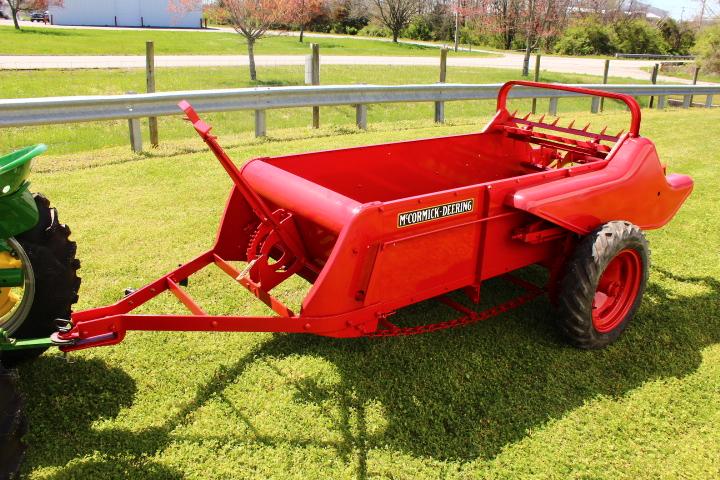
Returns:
(13, 425)
(582, 274)
(52, 256)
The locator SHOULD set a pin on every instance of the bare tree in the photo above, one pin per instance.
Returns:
(396, 14)
(541, 19)
(252, 19)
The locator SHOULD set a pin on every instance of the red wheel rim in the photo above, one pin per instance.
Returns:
(616, 291)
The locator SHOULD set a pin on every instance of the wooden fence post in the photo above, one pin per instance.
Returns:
(315, 79)
(653, 80)
(440, 106)
(605, 81)
(695, 80)
(150, 79)
(537, 79)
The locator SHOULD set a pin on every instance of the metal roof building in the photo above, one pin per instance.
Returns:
(123, 13)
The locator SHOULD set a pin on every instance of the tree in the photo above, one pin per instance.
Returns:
(708, 48)
(302, 12)
(17, 6)
(587, 36)
(252, 19)
(396, 14)
(541, 19)
(678, 35)
(534, 20)
(638, 36)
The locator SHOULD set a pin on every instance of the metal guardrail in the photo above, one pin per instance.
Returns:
(650, 56)
(54, 110)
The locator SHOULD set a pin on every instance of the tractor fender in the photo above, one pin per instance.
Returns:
(633, 187)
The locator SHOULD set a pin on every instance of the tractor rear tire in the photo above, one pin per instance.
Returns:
(13, 426)
(603, 284)
(52, 257)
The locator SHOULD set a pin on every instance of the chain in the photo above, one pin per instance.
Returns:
(470, 317)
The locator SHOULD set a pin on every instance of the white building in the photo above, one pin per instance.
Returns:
(123, 13)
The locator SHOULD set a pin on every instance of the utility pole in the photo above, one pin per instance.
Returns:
(702, 12)
(457, 24)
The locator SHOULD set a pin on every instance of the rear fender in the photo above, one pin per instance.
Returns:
(17, 206)
(631, 187)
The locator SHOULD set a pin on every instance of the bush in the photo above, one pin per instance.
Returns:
(419, 29)
(374, 31)
(679, 36)
(216, 15)
(638, 36)
(707, 48)
(586, 37)
(470, 36)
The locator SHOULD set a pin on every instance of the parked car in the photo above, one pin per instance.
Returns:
(40, 16)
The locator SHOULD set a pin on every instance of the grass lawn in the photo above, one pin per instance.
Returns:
(56, 41)
(505, 398)
(80, 137)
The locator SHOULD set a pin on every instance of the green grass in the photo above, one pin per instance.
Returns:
(81, 137)
(505, 398)
(56, 41)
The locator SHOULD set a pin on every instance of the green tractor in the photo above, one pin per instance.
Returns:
(38, 284)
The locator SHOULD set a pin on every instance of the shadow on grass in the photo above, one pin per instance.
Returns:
(44, 32)
(453, 395)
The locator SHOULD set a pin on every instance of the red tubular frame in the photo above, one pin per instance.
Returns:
(627, 99)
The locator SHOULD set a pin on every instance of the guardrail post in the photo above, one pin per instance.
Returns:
(150, 79)
(595, 105)
(537, 79)
(661, 102)
(361, 116)
(605, 81)
(135, 131)
(686, 101)
(709, 101)
(135, 135)
(260, 124)
(653, 79)
(553, 107)
(440, 106)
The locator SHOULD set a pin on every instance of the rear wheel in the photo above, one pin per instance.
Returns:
(13, 425)
(603, 284)
(51, 284)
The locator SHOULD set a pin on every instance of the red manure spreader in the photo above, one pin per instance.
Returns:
(377, 228)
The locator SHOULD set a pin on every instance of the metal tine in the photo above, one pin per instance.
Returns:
(555, 122)
(585, 128)
(527, 116)
(602, 132)
(513, 113)
(571, 124)
(541, 118)
(620, 132)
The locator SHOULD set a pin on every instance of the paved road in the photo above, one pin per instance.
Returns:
(591, 66)
(624, 68)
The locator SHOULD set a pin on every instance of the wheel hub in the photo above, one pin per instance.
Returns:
(15, 302)
(617, 290)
